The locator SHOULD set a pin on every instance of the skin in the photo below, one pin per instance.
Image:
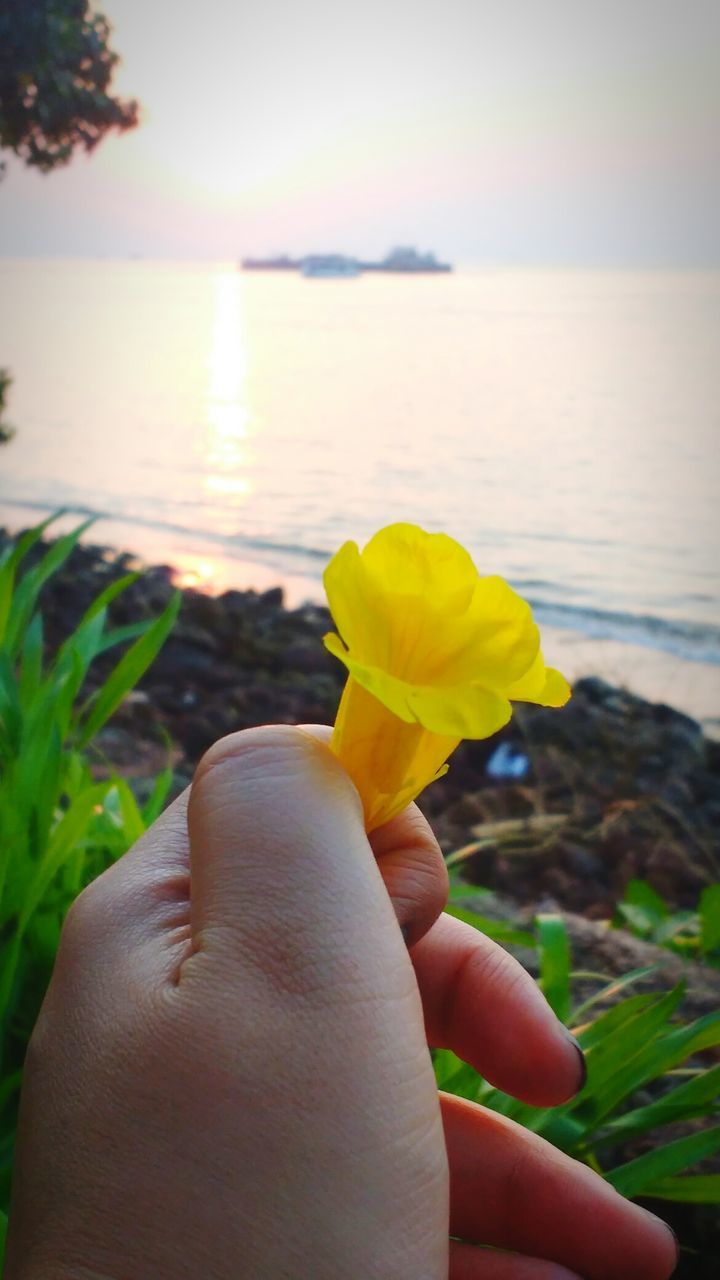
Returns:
(230, 1075)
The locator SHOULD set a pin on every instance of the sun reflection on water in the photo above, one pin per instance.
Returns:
(227, 416)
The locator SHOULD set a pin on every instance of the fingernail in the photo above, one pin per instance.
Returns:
(677, 1244)
(582, 1063)
(669, 1229)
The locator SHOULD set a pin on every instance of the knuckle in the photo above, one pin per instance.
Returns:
(248, 743)
(91, 920)
(39, 1048)
(496, 969)
(81, 921)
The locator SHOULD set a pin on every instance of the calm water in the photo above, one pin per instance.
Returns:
(563, 425)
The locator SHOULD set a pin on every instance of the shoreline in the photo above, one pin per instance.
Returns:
(633, 786)
(205, 565)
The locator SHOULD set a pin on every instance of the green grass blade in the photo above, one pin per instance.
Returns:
(129, 815)
(128, 671)
(554, 949)
(609, 992)
(61, 844)
(608, 1026)
(25, 597)
(638, 920)
(660, 1055)
(59, 848)
(633, 1179)
(31, 661)
(30, 537)
(9, 565)
(694, 1188)
(693, 1098)
(110, 593)
(455, 1076)
(121, 635)
(640, 894)
(88, 637)
(155, 803)
(498, 930)
(710, 918)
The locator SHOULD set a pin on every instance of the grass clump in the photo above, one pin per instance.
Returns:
(695, 935)
(59, 825)
(637, 1046)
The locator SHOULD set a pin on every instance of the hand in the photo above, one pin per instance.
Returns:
(230, 1078)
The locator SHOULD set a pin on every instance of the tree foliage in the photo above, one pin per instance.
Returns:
(6, 432)
(55, 74)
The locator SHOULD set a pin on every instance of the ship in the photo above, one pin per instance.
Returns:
(327, 266)
(408, 261)
(404, 260)
(282, 263)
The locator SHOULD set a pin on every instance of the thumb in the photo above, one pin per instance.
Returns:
(410, 863)
(282, 877)
(278, 851)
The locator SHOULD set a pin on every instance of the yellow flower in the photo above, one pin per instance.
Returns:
(435, 653)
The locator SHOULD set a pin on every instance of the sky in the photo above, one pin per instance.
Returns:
(509, 132)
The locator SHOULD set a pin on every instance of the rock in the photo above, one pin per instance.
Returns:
(273, 599)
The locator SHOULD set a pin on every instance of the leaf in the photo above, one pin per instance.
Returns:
(31, 663)
(61, 844)
(640, 921)
(640, 894)
(710, 918)
(659, 1055)
(696, 1188)
(693, 1098)
(128, 671)
(455, 1076)
(155, 803)
(110, 593)
(9, 565)
(608, 992)
(554, 949)
(25, 597)
(121, 635)
(633, 1179)
(498, 930)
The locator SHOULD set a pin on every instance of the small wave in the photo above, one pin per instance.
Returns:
(228, 540)
(692, 641)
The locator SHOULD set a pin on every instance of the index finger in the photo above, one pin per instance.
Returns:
(479, 1002)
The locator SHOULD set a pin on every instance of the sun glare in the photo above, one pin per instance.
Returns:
(226, 412)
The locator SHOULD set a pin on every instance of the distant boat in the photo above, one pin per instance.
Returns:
(281, 263)
(401, 261)
(408, 261)
(328, 266)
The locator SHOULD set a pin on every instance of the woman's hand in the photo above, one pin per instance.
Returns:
(230, 1077)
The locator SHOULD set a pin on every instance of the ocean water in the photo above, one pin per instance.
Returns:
(563, 425)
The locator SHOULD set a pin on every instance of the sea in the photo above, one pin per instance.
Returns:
(564, 425)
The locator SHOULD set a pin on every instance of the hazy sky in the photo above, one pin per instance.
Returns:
(529, 131)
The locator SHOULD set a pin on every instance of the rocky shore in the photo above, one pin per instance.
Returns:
(609, 788)
(613, 787)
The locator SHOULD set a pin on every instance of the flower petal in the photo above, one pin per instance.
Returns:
(343, 580)
(403, 559)
(498, 642)
(462, 711)
(540, 684)
(389, 761)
